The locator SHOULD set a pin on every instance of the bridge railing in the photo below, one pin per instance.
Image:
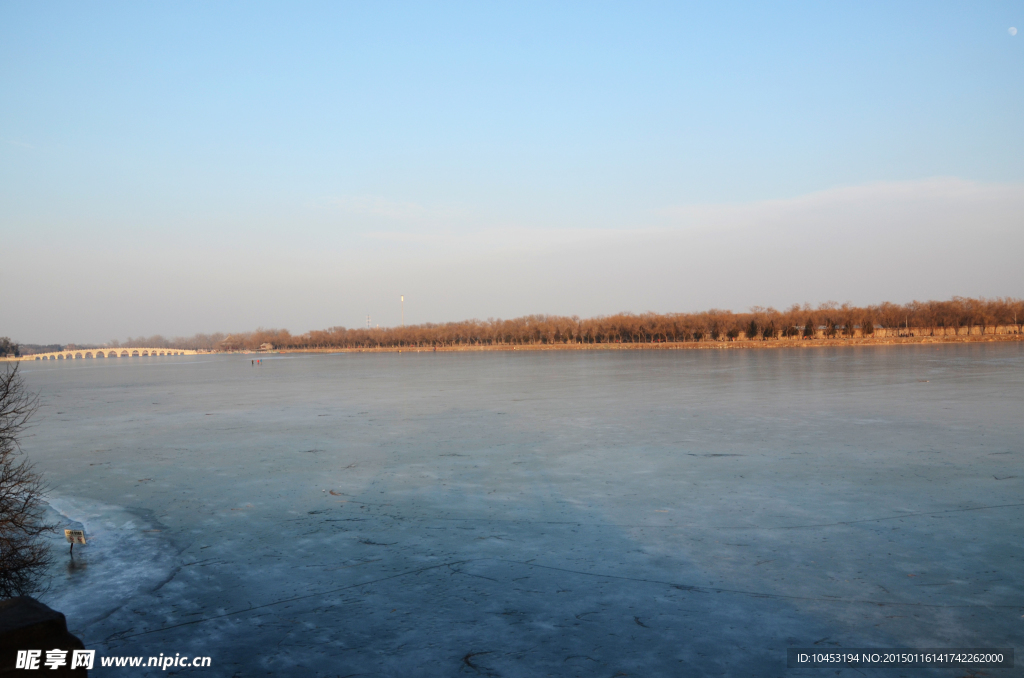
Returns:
(93, 353)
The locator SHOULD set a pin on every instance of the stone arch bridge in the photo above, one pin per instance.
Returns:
(121, 352)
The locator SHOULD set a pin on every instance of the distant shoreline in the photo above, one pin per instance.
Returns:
(669, 346)
(710, 345)
(959, 320)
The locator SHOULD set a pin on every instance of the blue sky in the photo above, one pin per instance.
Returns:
(299, 164)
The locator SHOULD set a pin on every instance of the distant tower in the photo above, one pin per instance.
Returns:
(367, 322)
(403, 310)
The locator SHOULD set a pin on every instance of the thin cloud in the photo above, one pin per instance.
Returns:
(405, 212)
(897, 241)
(908, 201)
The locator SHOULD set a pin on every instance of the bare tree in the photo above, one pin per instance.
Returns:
(24, 557)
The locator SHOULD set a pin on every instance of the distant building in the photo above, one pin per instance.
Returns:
(266, 347)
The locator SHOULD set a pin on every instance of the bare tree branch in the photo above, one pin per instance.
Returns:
(24, 557)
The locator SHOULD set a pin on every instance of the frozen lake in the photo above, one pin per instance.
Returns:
(644, 513)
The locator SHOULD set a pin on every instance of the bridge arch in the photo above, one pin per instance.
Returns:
(120, 352)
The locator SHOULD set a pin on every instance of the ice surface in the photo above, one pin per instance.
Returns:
(524, 514)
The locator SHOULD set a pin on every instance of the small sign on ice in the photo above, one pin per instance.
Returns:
(75, 536)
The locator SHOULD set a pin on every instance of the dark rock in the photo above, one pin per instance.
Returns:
(27, 624)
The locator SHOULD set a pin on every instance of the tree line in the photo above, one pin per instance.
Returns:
(828, 320)
(197, 342)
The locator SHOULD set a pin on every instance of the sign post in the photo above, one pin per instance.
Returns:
(74, 537)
